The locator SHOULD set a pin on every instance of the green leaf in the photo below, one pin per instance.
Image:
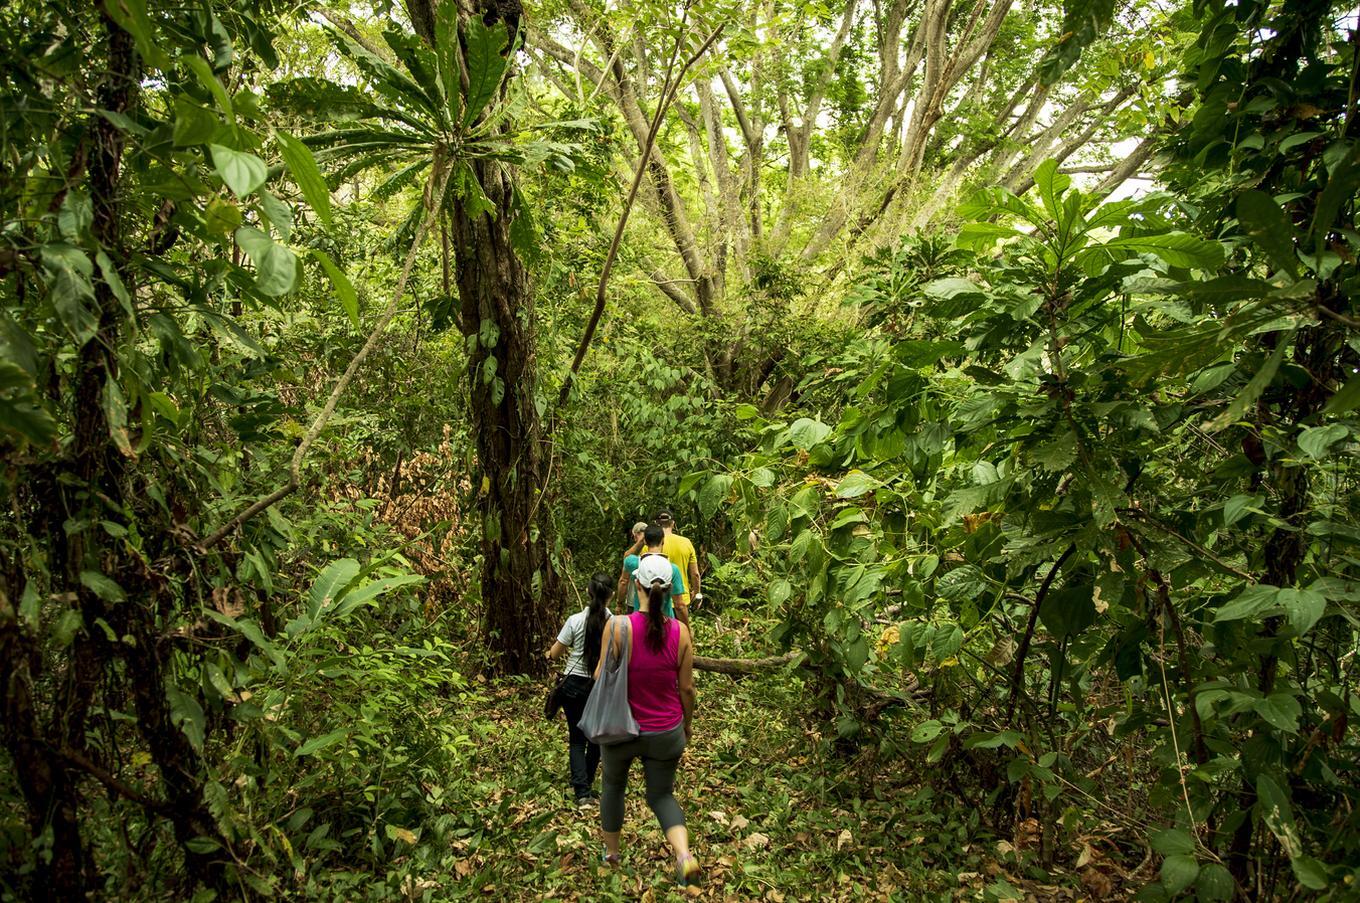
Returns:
(1215, 883)
(115, 415)
(1280, 711)
(1068, 611)
(485, 66)
(344, 289)
(188, 714)
(276, 269)
(1255, 386)
(131, 17)
(805, 433)
(194, 125)
(1179, 872)
(68, 273)
(1315, 441)
(102, 586)
(307, 174)
(1344, 399)
(1309, 872)
(316, 744)
(242, 173)
(855, 484)
(779, 592)
(1303, 608)
(1173, 841)
(1272, 804)
(75, 216)
(926, 731)
(330, 585)
(1239, 506)
(1264, 221)
(251, 631)
(714, 493)
(1176, 248)
(847, 516)
(372, 590)
(205, 75)
(1251, 601)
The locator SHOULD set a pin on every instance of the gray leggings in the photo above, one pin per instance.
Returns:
(660, 754)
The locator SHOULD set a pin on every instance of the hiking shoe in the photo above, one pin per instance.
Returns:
(687, 872)
(586, 801)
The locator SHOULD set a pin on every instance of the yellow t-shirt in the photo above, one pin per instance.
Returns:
(680, 551)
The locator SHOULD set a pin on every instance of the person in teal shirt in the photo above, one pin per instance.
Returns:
(653, 538)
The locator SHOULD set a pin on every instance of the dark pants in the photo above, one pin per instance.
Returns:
(583, 755)
(660, 755)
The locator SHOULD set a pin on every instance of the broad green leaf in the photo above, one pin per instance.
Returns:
(1250, 602)
(1239, 506)
(1176, 248)
(194, 125)
(1269, 228)
(276, 269)
(855, 484)
(115, 416)
(1172, 841)
(221, 217)
(485, 65)
(241, 172)
(779, 592)
(1344, 399)
(851, 515)
(1315, 441)
(131, 17)
(1068, 611)
(306, 173)
(1215, 883)
(1303, 608)
(1254, 387)
(805, 433)
(188, 714)
(205, 75)
(372, 590)
(102, 586)
(330, 584)
(22, 414)
(1310, 873)
(75, 216)
(251, 631)
(316, 744)
(344, 289)
(714, 493)
(1272, 803)
(926, 731)
(1280, 711)
(1051, 185)
(68, 273)
(1179, 872)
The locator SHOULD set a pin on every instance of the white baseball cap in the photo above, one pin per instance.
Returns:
(653, 568)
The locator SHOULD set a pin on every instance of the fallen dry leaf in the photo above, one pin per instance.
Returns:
(756, 840)
(843, 838)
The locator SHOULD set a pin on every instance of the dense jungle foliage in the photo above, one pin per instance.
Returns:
(1001, 358)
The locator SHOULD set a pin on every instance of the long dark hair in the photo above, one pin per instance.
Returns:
(601, 588)
(656, 619)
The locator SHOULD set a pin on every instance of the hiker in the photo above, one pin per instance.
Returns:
(681, 553)
(579, 640)
(661, 696)
(651, 538)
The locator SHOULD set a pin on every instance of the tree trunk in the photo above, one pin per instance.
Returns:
(519, 585)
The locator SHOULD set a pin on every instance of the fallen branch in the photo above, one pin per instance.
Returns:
(743, 665)
(439, 176)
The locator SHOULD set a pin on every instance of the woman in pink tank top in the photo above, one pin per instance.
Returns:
(661, 695)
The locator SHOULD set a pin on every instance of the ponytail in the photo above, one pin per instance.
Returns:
(656, 619)
(601, 588)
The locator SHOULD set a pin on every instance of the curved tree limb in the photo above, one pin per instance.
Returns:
(668, 91)
(438, 185)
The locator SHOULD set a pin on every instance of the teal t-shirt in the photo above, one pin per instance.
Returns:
(630, 564)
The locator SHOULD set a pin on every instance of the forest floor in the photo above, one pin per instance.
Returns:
(774, 814)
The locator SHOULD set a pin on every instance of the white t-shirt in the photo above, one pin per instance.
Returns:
(573, 636)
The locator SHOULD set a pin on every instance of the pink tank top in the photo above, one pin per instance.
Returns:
(653, 693)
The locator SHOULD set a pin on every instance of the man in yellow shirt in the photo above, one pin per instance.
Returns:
(681, 553)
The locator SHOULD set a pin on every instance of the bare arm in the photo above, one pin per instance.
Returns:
(556, 651)
(685, 680)
(692, 578)
(608, 640)
(621, 591)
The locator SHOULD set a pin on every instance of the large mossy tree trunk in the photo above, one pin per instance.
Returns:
(496, 315)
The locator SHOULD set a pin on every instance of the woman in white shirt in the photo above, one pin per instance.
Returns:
(579, 641)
